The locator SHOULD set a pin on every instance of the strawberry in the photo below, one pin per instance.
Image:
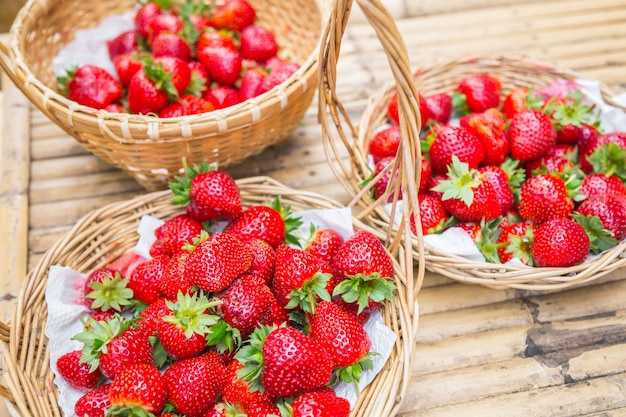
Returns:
(499, 179)
(245, 302)
(237, 391)
(123, 43)
(139, 389)
(447, 141)
(188, 105)
(488, 127)
(115, 108)
(144, 281)
(606, 155)
(320, 403)
(439, 107)
(301, 279)
(602, 184)
(263, 260)
(149, 318)
(343, 337)
(106, 290)
(178, 71)
(531, 135)
(588, 135)
(257, 43)
(276, 314)
(223, 64)
(222, 96)
(149, 89)
(392, 109)
(144, 15)
(170, 44)
(251, 83)
(183, 331)
(233, 15)
(207, 193)
(323, 243)
(385, 143)
(543, 197)
(278, 74)
(112, 346)
(175, 279)
(384, 169)
(568, 115)
(274, 224)
(163, 23)
(514, 242)
(559, 242)
(194, 384)
(468, 194)
(76, 373)
(560, 158)
(425, 174)
(176, 232)
(610, 209)
(200, 78)
(480, 92)
(95, 403)
(262, 409)
(126, 65)
(433, 217)
(216, 39)
(284, 362)
(364, 271)
(519, 99)
(91, 86)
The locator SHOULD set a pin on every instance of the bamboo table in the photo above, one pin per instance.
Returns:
(480, 352)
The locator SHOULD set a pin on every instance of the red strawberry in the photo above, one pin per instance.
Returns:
(515, 241)
(385, 143)
(233, 15)
(144, 281)
(323, 243)
(223, 64)
(457, 141)
(468, 194)
(194, 384)
(217, 261)
(278, 74)
(257, 43)
(568, 115)
(439, 107)
(320, 403)
(543, 197)
(91, 86)
(520, 99)
(602, 184)
(392, 109)
(272, 224)
(560, 158)
(216, 39)
(263, 409)
(237, 391)
(301, 279)
(499, 180)
(488, 127)
(178, 70)
(606, 155)
(144, 15)
(222, 96)
(94, 403)
(139, 386)
(284, 362)
(531, 135)
(433, 217)
(364, 271)
(610, 209)
(170, 44)
(77, 373)
(263, 260)
(149, 318)
(176, 232)
(251, 83)
(188, 105)
(175, 279)
(343, 337)
(145, 95)
(112, 346)
(126, 65)
(559, 242)
(106, 290)
(200, 78)
(481, 91)
(380, 186)
(123, 43)
(588, 135)
(183, 331)
(276, 314)
(245, 302)
(115, 108)
(163, 23)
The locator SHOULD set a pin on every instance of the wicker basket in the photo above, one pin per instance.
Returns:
(148, 148)
(512, 70)
(104, 235)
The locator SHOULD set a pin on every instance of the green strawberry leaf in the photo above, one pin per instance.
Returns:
(111, 294)
(224, 337)
(190, 312)
(250, 355)
(600, 238)
(486, 244)
(292, 222)
(362, 288)
(609, 159)
(306, 296)
(460, 183)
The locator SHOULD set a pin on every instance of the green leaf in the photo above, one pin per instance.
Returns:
(600, 239)
(362, 288)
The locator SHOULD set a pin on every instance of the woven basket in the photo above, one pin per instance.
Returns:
(512, 70)
(104, 235)
(148, 148)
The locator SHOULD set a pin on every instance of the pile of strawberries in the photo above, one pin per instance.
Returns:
(183, 59)
(527, 174)
(240, 321)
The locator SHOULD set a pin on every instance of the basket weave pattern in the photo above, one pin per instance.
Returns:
(107, 233)
(445, 76)
(148, 148)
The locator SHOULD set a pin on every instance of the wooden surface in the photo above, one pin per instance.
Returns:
(480, 352)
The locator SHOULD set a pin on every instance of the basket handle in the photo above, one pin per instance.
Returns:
(333, 117)
(5, 331)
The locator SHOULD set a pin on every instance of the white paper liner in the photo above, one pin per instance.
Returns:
(64, 298)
